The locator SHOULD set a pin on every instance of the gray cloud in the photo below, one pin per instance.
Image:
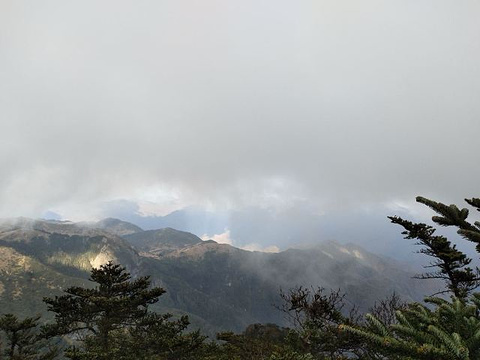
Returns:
(239, 103)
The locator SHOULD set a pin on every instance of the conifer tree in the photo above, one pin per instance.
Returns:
(258, 341)
(99, 315)
(316, 315)
(449, 332)
(157, 336)
(112, 321)
(453, 265)
(24, 339)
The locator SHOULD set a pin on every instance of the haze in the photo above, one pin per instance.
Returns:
(298, 109)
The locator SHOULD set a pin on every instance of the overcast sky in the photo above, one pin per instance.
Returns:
(232, 104)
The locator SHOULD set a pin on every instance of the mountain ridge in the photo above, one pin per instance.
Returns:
(220, 286)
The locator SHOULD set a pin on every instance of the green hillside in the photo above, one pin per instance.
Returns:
(219, 286)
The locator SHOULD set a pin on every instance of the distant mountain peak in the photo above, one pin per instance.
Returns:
(222, 287)
(162, 241)
(73, 244)
(198, 251)
(118, 227)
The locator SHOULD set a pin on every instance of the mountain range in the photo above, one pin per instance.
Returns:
(219, 286)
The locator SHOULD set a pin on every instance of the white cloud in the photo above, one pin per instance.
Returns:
(236, 102)
(223, 238)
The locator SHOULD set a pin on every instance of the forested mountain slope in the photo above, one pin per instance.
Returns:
(219, 286)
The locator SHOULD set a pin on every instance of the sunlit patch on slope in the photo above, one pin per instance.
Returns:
(328, 254)
(358, 254)
(258, 247)
(355, 253)
(103, 257)
(344, 250)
